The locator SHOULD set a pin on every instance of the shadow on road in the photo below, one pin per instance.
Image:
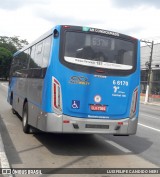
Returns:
(10, 149)
(73, 144)
(89, 145)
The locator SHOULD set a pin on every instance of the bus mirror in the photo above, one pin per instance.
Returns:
(56, 33)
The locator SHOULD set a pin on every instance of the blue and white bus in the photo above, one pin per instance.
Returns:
(77, 80)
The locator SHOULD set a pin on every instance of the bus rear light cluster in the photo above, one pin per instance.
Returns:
(134, 103)
(56, 96)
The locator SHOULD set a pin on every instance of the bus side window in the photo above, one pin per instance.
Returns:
(39, 54)
(39, 58)
(24, 59)
(14, 66)
(33, 71)
(36, 56)
(32, 63)
(46, 51)
(19, 63)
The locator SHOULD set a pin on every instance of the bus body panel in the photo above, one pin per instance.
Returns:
(94, 103)
(115, 91)
(52, 122)
(112, 95)
(21, 91)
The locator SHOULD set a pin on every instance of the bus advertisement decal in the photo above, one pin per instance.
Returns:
(79, 80)
(104, 32)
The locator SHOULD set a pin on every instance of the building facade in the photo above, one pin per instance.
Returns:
(154, 84)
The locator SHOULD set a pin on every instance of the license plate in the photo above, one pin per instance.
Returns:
(98, 108)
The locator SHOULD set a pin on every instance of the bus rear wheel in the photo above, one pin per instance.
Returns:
(13, 111)
(25, 126)
(11, 103)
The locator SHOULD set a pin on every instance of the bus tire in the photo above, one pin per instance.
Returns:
(25, 126)
(11, 103)
(13, 111)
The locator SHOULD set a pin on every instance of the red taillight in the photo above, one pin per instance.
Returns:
(66, 121)
(120, 123)
(65, 26)
(134, 102)
(56, 81)
(56, 96)
(55, 93)
(100, 71)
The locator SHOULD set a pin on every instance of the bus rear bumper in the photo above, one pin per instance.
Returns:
(67, 124)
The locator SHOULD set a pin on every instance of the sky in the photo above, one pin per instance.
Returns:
(29, 19)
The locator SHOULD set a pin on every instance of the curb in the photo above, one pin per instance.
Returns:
(4, 163)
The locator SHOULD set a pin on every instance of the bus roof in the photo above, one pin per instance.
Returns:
(45, 35)
(90, 29)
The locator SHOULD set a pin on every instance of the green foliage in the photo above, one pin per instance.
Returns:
(8, 46)
(5, 60)
(13, 42)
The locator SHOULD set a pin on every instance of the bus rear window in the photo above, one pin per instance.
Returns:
(91, 50)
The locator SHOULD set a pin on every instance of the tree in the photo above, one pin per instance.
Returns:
(13, 42)
(5, 60)
(8, 46)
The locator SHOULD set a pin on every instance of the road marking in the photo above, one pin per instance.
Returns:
(149, 116)
(4, 85)
(149, 127)
(3, 158)
(118, 146)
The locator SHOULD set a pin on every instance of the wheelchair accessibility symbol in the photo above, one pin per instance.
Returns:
(75, 104)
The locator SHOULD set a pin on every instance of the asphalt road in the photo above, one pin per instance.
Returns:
(146, 142)
(43, 150)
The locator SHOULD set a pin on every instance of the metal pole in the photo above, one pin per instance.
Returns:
(149, 75)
